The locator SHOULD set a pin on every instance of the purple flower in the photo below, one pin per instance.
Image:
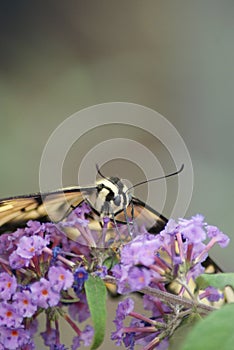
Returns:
(43, 277)
(56, 251)
(16, 261)
(82, 210)
(8, 285)
(33, 327)
(141, 250)
(101, 271)
(212, 294)
(43, 294)
(8, 241)
(55, 233)
(193, 229)
(60, 278)
(75, 222)
(178, 248)
(123, 309)
(14, 338)
(197, 249)
(138, 278)
(34, 227)
(170, 228)
(222, 239)
(142, 329)
(4, 243)
(78, 216)
(120, 272)
(31, 246)
(85, 337)
(58, 347)
(80, 232)
(79, 311)
(49, 336)
(25, 304)
(129, 340)
(9, 315)
(80, 276)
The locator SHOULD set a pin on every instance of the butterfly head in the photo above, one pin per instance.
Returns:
(111, 196)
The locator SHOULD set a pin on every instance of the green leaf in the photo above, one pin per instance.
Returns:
(111, 261)
(220, 280)
(96, 297)
(213, 332)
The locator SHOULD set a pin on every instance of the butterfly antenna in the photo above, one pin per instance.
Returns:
(157, 178)
(99, 172)
(103, 176)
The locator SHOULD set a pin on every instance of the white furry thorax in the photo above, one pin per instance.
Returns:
(110, 197)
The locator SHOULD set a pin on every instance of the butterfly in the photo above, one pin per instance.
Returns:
(109, 197)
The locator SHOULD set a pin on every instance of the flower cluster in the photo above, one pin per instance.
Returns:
(142, 330)
(44, 267)
(169, 261)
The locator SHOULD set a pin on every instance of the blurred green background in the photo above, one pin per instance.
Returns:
(176, 57)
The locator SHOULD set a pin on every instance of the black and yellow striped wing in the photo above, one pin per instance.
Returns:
(143, 214)
(51, 206)
(55, 206)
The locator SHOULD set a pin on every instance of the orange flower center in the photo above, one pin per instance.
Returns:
(44, 292)
(61, 277)
(14, 333)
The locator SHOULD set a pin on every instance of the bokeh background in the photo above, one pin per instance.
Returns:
(176, 57)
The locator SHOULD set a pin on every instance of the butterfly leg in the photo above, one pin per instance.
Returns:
(115, 223)
(132, 212)
(128, 223)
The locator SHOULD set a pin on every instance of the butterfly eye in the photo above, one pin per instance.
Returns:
(117, 200)
(100, 187)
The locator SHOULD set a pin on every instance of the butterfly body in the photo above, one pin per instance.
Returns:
(111, 197)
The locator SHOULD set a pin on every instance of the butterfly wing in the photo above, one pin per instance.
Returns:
(143, 214)
(51, 206)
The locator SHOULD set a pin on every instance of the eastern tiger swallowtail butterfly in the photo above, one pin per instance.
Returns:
(108, 198)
